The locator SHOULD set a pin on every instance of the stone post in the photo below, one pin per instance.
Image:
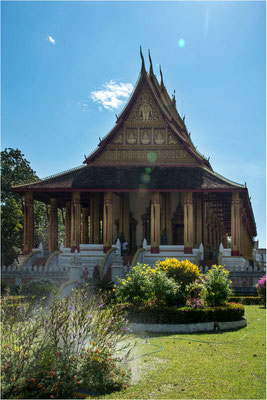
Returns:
(67, 225)
(108, 221)
(188, 223)
(75, 221)
(165, 220)
(85, 238)
(235, 224)
(155, 223)
(28, 223)
(53, 226)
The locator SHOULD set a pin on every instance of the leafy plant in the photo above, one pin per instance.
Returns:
(261, 289)
(39, 288)
(82, 342)
(217, 286)
(183, 272)
(143, 284)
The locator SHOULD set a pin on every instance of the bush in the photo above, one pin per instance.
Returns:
(81, 340)
(185, 315)
(4, 288)
(38, 289)
(246, 300)
(144, 284)
(261, 289)
(217, 286)
(183, 272)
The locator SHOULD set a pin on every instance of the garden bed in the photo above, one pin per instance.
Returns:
(170, 315)
(189, 328)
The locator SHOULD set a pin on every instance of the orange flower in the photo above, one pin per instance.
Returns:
(51, 373)
(52, 397)
(75, 378)
(57, 353)
(124, 387)
(96, 351)
(61, 383)
(79, 382)
(33, 380)
(40, 385)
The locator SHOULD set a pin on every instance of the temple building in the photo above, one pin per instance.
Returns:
(146, 181)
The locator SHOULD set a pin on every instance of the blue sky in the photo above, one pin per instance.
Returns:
(68, 67)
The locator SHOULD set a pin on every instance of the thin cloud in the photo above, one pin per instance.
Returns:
(113, 94)
(51, 39)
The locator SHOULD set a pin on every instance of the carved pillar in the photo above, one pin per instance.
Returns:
(75, 221)
(108, 221)
(188, 223)
(94, 219)
(53, 226)
(155, 223)
(28, 224)
(85, 238)
(67, 225)
(124, 226)
(235, 224)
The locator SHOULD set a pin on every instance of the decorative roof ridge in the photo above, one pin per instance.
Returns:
(217, 175)
(50, 177)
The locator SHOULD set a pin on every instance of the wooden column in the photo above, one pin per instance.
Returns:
(165, 217)
(28, 241)
(53, 226)
(67, 225)
(75, 221)
(155, 223)
(85, 238)
(107, 221)
(235, 224)
(124, 225)
(197, 221)
(188, 223)
(94, 219)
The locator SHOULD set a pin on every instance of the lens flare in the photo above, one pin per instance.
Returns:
(151, 156)
(181, 42)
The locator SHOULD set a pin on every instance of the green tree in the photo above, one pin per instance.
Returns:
(15, 169)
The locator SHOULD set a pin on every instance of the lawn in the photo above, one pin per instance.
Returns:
(187, 367)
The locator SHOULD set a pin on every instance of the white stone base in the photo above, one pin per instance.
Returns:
(234, 263)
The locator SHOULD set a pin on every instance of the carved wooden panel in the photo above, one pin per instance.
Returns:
(145, 108)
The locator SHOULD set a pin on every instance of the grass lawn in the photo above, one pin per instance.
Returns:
(187, 369)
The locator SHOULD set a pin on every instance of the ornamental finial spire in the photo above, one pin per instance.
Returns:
(151, 72)
(143, 61)
(161, 76)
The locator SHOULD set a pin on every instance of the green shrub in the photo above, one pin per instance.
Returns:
(261, 289)
(217, 286)
(183, 272)
(246, 300)
(77, 344)
(185, 315)
(38, 289)
(4, 287)
(144, 284)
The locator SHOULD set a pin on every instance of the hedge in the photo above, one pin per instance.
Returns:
(172, 315)
(247, 300)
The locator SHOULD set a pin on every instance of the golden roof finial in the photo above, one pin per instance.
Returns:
(151, 72)
(143, 61)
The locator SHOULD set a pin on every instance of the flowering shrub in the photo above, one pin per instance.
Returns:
(183, 272)
(77, 344)
(217, 286)
(261, 289)
(144, 284)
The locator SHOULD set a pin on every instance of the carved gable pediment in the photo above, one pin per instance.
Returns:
(144, 136)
